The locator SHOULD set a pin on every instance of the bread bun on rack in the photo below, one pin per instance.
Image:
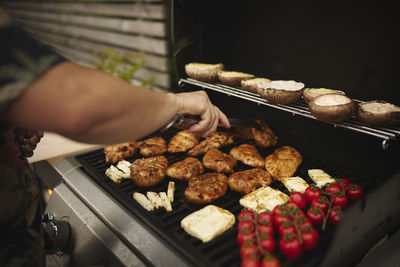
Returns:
(280, 92)
(203, 72)
(233, 78)
(378, 113)
(332, 107)
(251, 84)
(310, 93)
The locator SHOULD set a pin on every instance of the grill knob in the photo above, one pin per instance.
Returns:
(58, 234)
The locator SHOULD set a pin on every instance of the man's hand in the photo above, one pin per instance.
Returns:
(198, 103)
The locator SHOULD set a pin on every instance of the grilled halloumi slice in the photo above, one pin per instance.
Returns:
(295, 184)
(115, 174)
(320, 177)
(170, 191)
(155, 199)
(208, 222)
(264, 198)
(143, 201)
(124, 166)
(165, 201)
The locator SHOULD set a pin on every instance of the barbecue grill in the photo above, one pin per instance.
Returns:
(105, 218)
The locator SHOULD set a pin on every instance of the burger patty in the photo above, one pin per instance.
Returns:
(206, 188)
(149, 171)
(249, 180)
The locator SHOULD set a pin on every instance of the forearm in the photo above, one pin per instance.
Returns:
(90, 106)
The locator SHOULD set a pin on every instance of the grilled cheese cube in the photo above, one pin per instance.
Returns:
(170, 191)
(124, 166)
(320, 177)
(114, 174)
(295, 184)
(264, 198)
(208, 222)
(143, 201)
(155, 199)
(165, 201)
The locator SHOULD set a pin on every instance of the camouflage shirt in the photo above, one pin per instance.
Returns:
(22, 60)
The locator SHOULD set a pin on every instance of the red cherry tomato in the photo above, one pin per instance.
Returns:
(277, 209)
(265, 229)
(304, 221)
(287, 228)
(345, 182)
(245, 235)
(354, 191)
(315, 215)
(321, 202)
(340, 199)
(299, 199)
(290, 246)
(333, 188)
(267, 243)
(270, 261)
(265, 218)
(279, 219)
(335, 215)
(290, 204)
(246, 225)
(312, 192)
(297, 213)
(250, 262)
(249, 249)
(310, 238)
(246, 216)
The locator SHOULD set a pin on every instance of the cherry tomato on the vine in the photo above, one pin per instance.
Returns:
(315, 215)
(312, 192)
(250, 262)
(340, 199)
(335, 214)
(265, 229)
(287, 228)
(270, 261)
(333, 188)
(246, 215)
(264, 218)
(267, 243)
(321, 202)
(304, 221)
(249, 249)
(290, 246)
(279, 219)
(345, 182)
(299, 199)
(310, 238)
(245, 235)
(354, 191)
(246, 225)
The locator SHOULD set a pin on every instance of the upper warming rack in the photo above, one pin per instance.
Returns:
(299, 108)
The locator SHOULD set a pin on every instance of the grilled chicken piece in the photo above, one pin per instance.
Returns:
(185, 169)
(283, 162)
(206, 187)
(215, 140)
(154, 146)
(248, 154)
(249, 180)
(149, 171)
(266, 137)
(219, 161)
(182, 142)
(117, 152)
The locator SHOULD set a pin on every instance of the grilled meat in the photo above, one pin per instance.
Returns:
(248, 154)
(149, 171)
(117, 152)
(266, 137)
(154, 146)
(219, 161)
(182, 142)
(283, 162)
(185, 169)
(249, 180)
(206, 187)
(216, 140)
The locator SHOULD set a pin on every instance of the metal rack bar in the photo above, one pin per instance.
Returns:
(299, 108)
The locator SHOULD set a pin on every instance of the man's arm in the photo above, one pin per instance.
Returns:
(91, 106)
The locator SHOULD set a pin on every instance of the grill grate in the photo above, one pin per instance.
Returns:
(223, 250)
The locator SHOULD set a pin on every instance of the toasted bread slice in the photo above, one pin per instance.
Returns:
(203, 72)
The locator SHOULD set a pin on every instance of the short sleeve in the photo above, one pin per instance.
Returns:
(22, 60)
